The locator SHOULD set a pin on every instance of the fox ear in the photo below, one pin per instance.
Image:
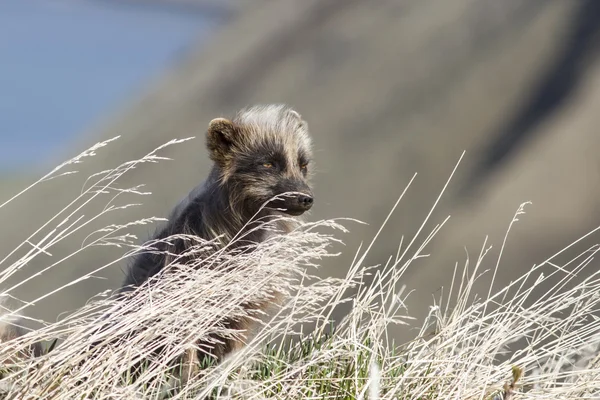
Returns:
(297, 118)
(219, 139)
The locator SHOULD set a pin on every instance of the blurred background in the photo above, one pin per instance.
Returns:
(389, 88)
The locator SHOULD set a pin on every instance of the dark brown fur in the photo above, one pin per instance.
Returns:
(263, 152)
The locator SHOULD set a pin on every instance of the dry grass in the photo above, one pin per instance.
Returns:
(510, 344)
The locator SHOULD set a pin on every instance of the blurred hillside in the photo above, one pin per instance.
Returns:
(388, 89)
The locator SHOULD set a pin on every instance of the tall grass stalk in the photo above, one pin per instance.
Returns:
(511, 343)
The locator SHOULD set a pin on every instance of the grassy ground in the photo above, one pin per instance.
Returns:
(511, 342)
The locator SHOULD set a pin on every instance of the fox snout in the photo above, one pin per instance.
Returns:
(293, 198)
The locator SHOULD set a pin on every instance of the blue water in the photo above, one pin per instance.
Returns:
(64, 65)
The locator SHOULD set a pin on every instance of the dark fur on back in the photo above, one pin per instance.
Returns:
(263, 152)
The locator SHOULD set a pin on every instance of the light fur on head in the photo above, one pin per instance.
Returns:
(255, 126)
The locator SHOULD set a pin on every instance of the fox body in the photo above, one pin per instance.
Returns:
(262, 153)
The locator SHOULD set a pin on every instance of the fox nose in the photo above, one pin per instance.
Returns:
(305, 201)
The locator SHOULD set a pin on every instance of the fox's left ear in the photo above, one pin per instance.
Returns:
(219, 139)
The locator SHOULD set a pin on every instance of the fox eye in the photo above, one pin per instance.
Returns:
(304, 166)
(267, 165)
